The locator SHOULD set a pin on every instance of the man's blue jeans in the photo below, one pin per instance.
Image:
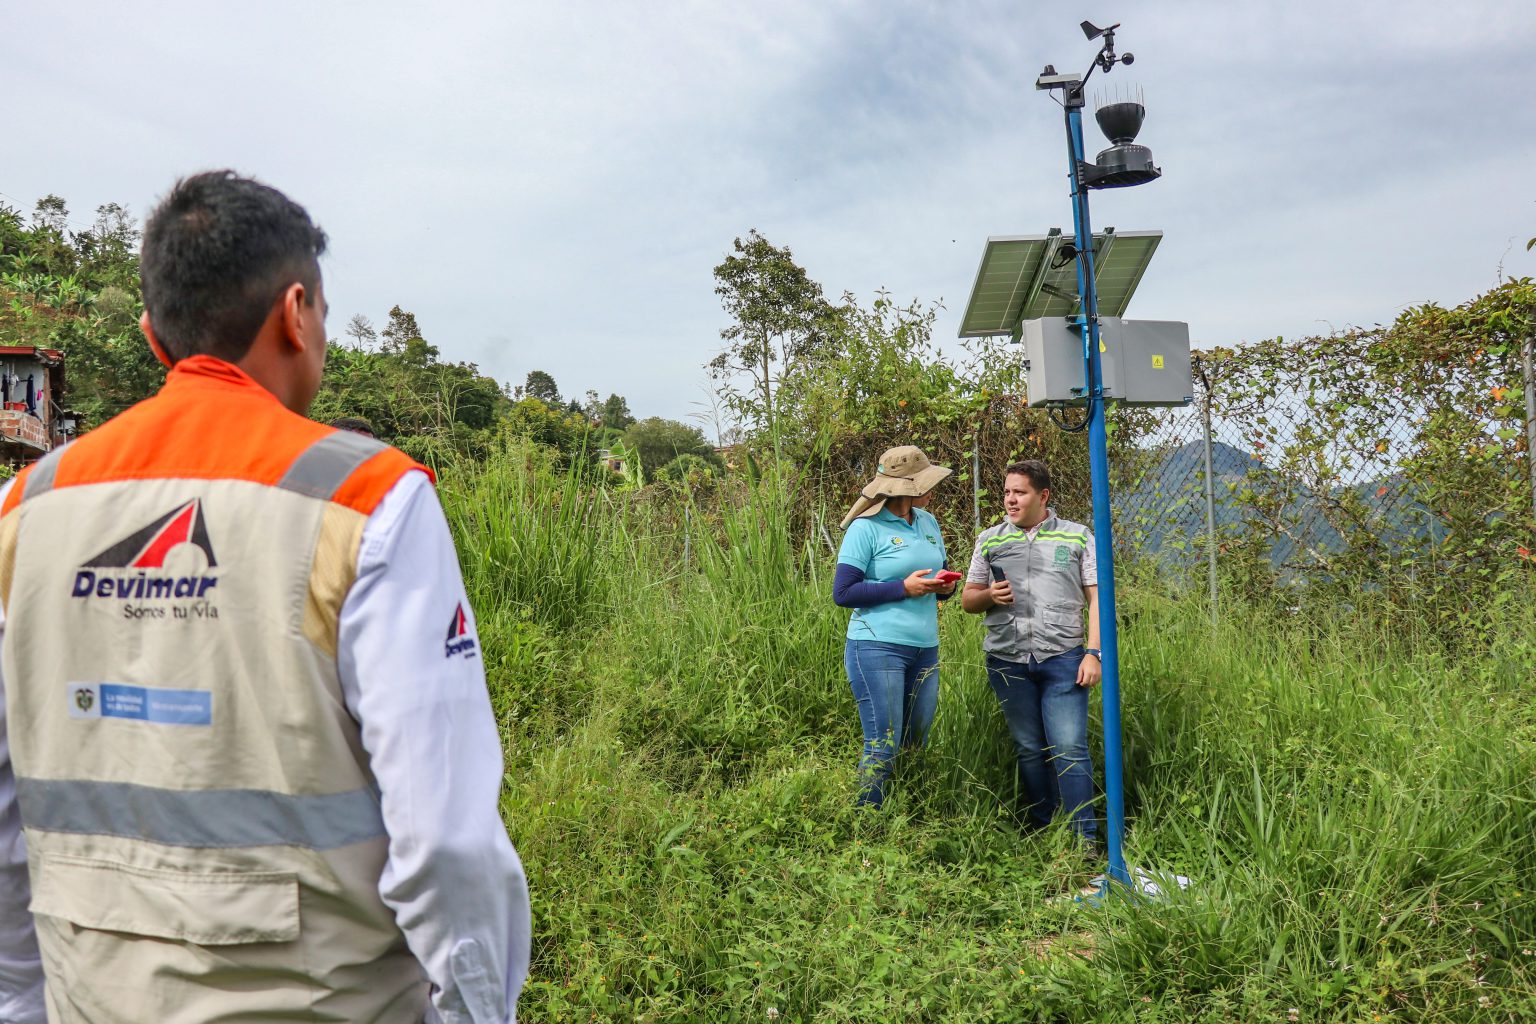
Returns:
(897, 690)
(1047, 716)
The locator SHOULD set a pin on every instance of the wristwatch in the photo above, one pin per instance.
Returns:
(1094, 651)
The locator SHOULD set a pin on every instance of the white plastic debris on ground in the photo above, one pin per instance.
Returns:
(1144, 882)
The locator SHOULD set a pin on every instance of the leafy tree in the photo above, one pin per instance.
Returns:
(13, 233)
(875, 379)
(542, 386)
(367, 385)
(109, 251)
(402, 327)
(78, 292)
(431, 409)
(778, 316)
(569, 434)
(49, 249)
(114, 222)
(614, 413)
(688, 470)
(51, 214)
(418, 354)
(658, 441)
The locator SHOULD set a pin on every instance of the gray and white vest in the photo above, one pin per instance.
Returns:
(1047, 614)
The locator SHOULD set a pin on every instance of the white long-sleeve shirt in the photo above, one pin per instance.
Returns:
(452, 877)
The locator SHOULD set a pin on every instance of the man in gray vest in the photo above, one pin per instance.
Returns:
(1034, 577)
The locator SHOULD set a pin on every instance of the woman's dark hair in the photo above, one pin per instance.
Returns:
(218, 251)
(1038, 474)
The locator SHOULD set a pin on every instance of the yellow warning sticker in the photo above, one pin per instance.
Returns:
(1157, 362)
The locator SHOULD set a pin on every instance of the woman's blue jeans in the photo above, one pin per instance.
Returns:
(1047, 716)
(897, 690)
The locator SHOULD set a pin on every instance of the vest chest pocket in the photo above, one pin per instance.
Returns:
(218, 909)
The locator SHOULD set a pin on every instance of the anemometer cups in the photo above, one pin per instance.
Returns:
(1124, 163)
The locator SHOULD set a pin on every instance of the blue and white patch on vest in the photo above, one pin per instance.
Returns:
(1063, 554)
(141, 703)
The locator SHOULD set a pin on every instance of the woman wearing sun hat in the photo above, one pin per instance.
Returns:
(886, 573)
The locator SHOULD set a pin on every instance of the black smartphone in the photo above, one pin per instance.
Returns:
(997, 573)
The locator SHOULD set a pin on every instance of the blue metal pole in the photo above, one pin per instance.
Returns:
(1098, 461)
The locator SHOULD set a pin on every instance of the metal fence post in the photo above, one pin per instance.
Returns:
(1210, 489)
(1528, 384)
(976, 480)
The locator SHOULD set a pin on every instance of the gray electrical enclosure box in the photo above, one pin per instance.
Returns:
(1144, 362)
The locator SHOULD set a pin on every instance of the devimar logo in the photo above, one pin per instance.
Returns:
(1063, 554)
(459, 639)
(165, 560)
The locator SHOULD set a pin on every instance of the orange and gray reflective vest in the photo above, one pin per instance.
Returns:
(203, 831)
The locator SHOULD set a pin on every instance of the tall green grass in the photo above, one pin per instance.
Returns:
(1354, 805)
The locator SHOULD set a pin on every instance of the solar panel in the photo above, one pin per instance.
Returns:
(1026, 277)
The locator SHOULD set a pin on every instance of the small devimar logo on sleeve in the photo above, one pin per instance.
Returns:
(459, 641)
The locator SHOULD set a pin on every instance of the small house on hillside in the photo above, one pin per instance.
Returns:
(612, 461)
(617, 460)
(33, 420)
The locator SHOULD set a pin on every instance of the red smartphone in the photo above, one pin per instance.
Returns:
(947, 576)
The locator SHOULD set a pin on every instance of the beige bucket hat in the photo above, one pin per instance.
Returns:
(903, 472)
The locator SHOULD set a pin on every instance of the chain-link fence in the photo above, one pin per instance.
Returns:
(1394, 461)
(1342, 463)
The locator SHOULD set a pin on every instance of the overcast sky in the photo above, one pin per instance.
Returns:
(548, 186)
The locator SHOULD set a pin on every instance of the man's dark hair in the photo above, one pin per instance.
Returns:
(218, 251)
(355, 424)
(1034, 470)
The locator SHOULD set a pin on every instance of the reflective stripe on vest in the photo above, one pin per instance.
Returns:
(213, 818)
(40, 479)
(326, 464)
(318, 472)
